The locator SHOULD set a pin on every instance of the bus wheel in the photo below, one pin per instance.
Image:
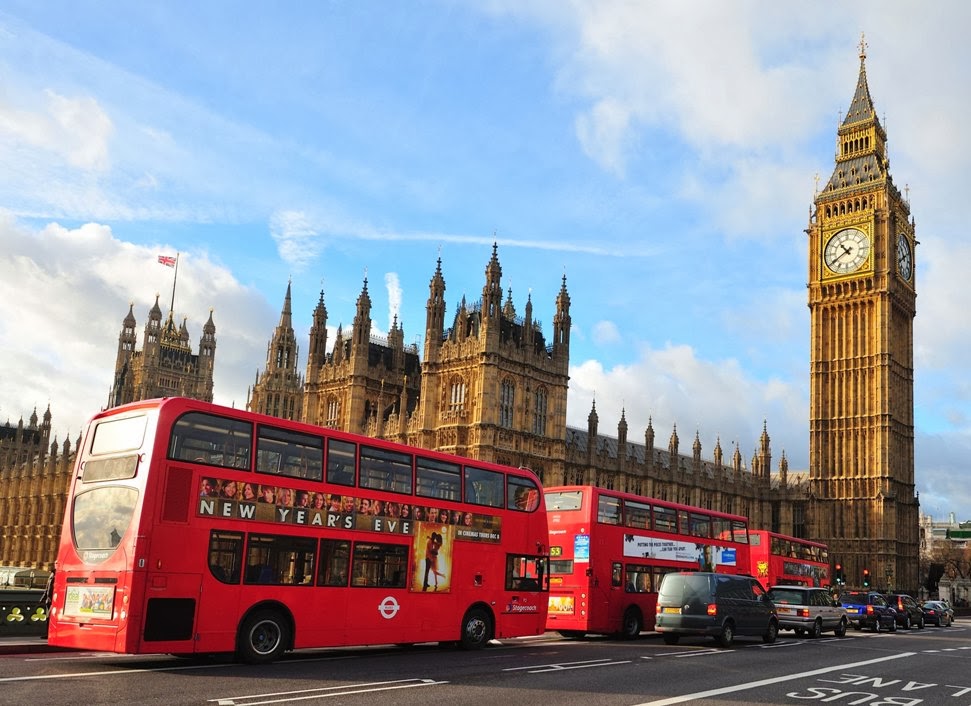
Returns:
(632, 624)
(263, 637)
(476, 630)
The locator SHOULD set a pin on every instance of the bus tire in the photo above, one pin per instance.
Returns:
(263, 637)
(631, 627)
(670, 638)
(476, 629)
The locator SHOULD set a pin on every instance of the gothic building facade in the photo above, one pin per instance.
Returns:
(166, 365)
(278, 390)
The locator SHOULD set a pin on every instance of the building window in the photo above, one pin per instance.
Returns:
(457, 400)
(507, 397)
(333, 413)
(539, 412)
(799, 521)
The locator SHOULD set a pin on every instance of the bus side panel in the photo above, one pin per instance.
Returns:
(170, 611)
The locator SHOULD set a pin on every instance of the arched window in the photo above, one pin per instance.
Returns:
(456, 402)
(333, 413)
(507, 399)
(539, 412)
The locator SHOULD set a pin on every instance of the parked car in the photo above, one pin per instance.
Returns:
(869, 609)
(808, 610)
(937, 613)
(718, 605)
(908, 610)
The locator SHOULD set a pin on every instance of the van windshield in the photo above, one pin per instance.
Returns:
(684, 588)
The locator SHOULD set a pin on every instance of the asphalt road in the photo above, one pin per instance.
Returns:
(930, 666)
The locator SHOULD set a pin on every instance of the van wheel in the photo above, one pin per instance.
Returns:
(878, 626)
(728, 635)
(476, 630)
(906, 625)
(893, 626)
(671, 638)
(632, 624)
(817, 629)
(263, 637)
(840, 630)
(771, 633)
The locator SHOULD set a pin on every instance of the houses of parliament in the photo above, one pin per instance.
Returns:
(490, 384)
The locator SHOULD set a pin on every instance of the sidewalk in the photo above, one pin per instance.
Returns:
(27, 644)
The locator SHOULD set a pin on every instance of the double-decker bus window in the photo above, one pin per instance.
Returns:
(721, 527)
(114, 435)
(561, 566)
(101, 517)
(340, 462)
(523, 494)
(638, 578)
(484, 487)
(335, 558)
(526, 573)
(279, 559)
(683, 526)
(700, 525)
(637, 514)
(206, 438)
(385, 470)
(608, 510)
(384, 565)
(438, 479)
(740, 533)
(566, 500)
(117, 468)
(289, 453)
(225, 555)
(665, 519)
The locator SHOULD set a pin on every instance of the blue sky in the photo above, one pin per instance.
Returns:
(661, 155)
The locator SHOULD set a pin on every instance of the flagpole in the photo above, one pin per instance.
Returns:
(175, 278)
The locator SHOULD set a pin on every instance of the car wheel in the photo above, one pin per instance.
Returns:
(840, 630)
(920, 623)
(816, 630)
(727, 636)
(893, 626)
(877, 625)
(771, 633)
(906, 625)
(671, 638)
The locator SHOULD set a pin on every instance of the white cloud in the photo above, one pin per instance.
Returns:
(605, 333)
(297, 239)
(63, 295)
(393, 286)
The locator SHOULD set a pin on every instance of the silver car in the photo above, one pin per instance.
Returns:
(808, 610)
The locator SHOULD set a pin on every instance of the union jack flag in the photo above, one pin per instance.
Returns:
(166, 260)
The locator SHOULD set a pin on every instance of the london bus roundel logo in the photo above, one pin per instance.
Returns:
(388, 607)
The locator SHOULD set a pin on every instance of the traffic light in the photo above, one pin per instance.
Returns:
(866, 578)
(839, 575)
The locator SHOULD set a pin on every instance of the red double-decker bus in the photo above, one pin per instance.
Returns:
(609, 550)
(780, 559)
(194, 528)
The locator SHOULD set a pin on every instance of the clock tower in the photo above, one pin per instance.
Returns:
(862, 303)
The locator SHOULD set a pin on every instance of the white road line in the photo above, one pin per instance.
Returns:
(324, 692)
(555, 664)
(766, 682)
(557, 668)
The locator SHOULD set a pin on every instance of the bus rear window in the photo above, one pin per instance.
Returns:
(567, 500)
(100, 519)
(115, 435)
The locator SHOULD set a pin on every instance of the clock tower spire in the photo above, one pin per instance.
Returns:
(862, 303)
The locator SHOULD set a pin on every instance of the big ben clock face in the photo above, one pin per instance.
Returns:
(905, 259)
(847, 251)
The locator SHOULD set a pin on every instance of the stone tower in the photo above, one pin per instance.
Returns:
(862, 303)
(166, 365)
(278, 391)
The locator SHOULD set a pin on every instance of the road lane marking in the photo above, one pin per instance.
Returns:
(766, 682)
(561, 666)
(279, 697)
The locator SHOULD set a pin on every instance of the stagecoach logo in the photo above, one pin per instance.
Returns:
(388, 607)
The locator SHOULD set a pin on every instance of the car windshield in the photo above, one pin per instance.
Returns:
(791, 596)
